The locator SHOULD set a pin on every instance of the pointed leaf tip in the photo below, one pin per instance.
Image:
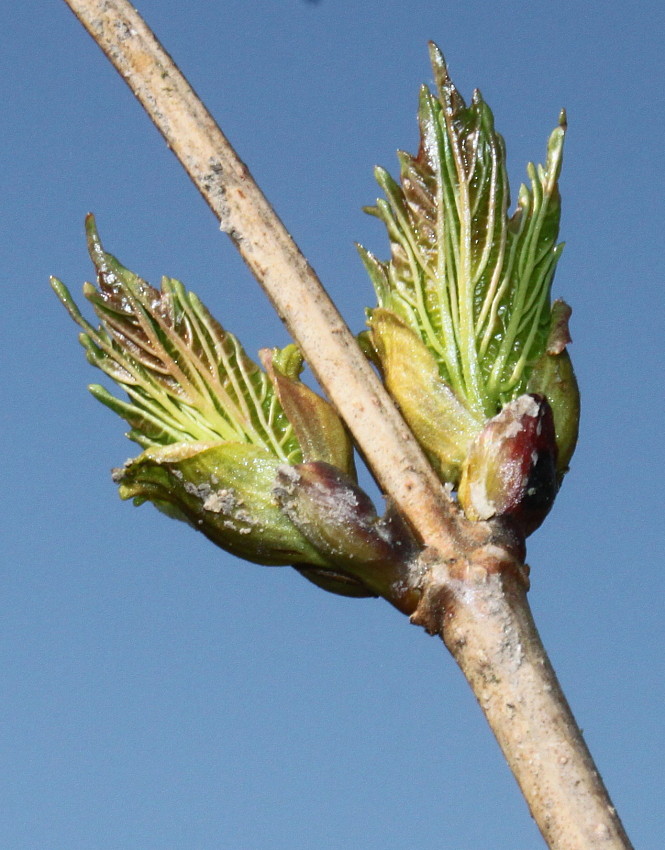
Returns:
(95, 248)
(439, 66)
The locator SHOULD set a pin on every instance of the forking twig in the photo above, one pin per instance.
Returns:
(473, 594)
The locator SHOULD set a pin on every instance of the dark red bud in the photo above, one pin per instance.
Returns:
(511, 466)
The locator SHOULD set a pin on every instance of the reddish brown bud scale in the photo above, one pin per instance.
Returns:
(510, 470)
(366, 552)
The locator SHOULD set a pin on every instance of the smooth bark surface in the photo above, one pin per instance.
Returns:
(471, 580)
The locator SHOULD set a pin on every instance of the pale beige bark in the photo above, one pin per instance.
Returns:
(471, 583)
(486, 623)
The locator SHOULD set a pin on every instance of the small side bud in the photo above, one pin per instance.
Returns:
(510, 470)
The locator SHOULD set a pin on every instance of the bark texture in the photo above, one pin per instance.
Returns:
(486, 623)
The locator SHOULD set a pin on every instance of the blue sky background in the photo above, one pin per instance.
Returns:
(156, 692)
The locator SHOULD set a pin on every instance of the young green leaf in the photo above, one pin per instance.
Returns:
(222, 439)
(186, 377)
(464, 325)
(470, 280)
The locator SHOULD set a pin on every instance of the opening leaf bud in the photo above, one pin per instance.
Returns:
(218, 433)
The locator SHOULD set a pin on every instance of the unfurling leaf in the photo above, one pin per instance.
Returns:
(219, 433)
(464, 324)
(186, 377)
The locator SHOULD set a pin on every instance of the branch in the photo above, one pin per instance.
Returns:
(473, 587)
(488, 627)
